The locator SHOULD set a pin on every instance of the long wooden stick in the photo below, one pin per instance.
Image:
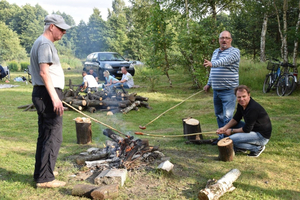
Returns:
(95, 120)
(144, 127)
(171, 136)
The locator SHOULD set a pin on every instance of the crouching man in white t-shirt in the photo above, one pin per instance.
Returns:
(90, 83)
(126, 81)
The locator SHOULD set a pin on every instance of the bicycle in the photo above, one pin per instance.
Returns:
(280, 78)
(287, 81)
(272, 77)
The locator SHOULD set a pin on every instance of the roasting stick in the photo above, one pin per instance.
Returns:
(171, 136)
(144, 127)
(95, 120)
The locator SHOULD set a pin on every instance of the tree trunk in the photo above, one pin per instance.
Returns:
(167, 64)
(279, 29)
(215, 189)
(296, 41)
(225, 147)
(285, 48)
(263, 38)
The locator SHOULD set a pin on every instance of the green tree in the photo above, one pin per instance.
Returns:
(10, 47)
(116, 36)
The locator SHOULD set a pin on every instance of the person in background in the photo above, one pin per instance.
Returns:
(223, 78)
(127, 79)
(109, 79)
(48, 82)
(256, 130)
(91, 72)
(89, 83)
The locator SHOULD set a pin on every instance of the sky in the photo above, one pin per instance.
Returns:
(78, 9)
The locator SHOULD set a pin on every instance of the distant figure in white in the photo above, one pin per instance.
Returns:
(126, 81)
(89, 83)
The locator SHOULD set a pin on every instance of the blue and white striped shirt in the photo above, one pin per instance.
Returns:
(224, 73)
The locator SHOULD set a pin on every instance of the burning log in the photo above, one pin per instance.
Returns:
(94, 192)
(80, 160)
(225, 147)
(112, 135)
(215, 189)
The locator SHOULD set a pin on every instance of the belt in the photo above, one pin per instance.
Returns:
(44, 87)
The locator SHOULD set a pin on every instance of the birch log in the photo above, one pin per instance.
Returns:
(215, 189)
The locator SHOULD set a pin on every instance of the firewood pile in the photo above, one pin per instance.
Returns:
(111, 100)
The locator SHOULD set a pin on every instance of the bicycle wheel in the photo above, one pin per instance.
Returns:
(290, 84)
(267, 84)
(281, 86)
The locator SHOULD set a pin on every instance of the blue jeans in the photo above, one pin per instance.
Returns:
(224, 104)
(119, 84)
(248, 141)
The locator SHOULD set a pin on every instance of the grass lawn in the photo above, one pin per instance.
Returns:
(274, 175)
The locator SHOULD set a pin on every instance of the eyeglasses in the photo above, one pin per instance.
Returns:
(224, 38)
(62, 30)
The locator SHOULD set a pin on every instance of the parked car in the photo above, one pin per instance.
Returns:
(111, 61)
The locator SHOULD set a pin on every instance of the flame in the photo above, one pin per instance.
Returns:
(118, 153)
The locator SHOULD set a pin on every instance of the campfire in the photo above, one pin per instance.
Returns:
(119, 152)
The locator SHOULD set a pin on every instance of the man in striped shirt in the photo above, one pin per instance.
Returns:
(223, 78)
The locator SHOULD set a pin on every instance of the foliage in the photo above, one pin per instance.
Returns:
(13, 66)
(24, 65)
(149, 75)
(10, 47)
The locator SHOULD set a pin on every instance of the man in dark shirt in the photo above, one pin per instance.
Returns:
(256, 131)
(91, 72)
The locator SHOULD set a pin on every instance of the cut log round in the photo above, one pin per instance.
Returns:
(215, 189)
(78, 107)
(69, 100)
(192, 125)
(84, 133)
(79, 102)
(225, 147)
(92, 109)
(129, 108)
(95, 103)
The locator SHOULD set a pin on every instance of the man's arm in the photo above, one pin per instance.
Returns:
(232, 57)
(57, 104)
(227, 128)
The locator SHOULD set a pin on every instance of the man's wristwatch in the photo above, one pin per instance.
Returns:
(232, 131)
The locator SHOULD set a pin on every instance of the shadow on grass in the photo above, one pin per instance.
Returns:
(12, 176)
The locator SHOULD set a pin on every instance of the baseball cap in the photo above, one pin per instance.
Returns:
(57, 20)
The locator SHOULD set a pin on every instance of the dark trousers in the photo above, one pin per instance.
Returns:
(50, 134)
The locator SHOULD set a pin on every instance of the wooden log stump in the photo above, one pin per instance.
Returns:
(215, 189)
(83, 132)
(96, 192)
(226, 152)
(192, 125)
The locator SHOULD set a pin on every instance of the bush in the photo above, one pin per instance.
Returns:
(24, 65)
(13, 66)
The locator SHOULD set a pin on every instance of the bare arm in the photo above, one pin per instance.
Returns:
(57, 104)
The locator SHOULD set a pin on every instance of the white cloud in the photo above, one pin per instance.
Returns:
(78, 9)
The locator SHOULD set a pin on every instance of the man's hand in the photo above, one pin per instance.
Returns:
(58, 107)
(224, 131)
(207, 63)
(206, 88)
